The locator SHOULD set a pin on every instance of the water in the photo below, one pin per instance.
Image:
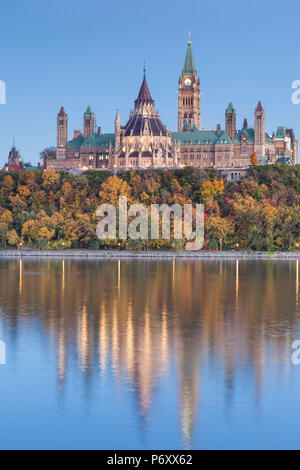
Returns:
(137, 354)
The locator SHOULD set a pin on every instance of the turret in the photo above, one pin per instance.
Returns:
(230, 121)
(259, 130)
(117, 130)
(62, 128)
(88, 123)
(144, 104)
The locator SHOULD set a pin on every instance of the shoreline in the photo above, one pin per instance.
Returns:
(98, 254)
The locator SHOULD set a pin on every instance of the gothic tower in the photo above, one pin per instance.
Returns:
(189, 114)
(88, 123)
(62, 133)
(230, 121)
(62, 128)
(259, 130)
(117, 130)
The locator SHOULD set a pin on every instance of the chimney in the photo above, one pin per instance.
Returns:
(99, 130)
(245, 125)
(218, 130)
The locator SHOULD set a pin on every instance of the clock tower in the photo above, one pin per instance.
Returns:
(189, 115)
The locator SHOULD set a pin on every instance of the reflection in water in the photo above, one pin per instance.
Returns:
(136, 320)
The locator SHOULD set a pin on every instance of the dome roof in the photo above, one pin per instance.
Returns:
(136, 125)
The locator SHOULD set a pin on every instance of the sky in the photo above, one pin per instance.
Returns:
(75, 54)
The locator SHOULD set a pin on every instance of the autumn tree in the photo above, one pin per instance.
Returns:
(253, 158)
(112, 189)
(50, 179)
(12, 237)
(218, 230)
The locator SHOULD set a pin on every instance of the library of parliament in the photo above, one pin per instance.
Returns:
(145, 142)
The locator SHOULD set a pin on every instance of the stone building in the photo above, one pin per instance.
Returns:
(145, 142)
(16, 163)
(14, 158)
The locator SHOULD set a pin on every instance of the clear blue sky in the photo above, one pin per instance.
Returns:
(75, 53)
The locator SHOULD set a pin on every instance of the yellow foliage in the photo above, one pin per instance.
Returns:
(7, 217)
(30, 230)
(12, 237)
(210, 188)
(8, 183)
(219, 186)
(50, 178)
(44, 232)
(112, 189)
(219, 228)
(24, 191)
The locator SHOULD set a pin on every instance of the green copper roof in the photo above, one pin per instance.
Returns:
(201, 138)
(189, 65)
(95, 140)
(230, 108)
(268, 139)
(75, 143)
(186, 126)
(31, 168)
(88, 111)
(224, 139)
(250, 134)
(280, 133)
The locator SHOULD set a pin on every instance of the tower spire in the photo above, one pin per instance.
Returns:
(189, 64)
(189, 92)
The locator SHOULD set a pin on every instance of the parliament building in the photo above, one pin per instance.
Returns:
(145, 142)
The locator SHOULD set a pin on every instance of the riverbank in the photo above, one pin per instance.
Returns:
(147, 254)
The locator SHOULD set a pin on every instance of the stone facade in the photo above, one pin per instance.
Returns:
(145, 142)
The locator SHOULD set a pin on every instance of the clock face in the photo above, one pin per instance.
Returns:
(187, 82)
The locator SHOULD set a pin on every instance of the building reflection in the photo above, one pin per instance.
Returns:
(133, 319)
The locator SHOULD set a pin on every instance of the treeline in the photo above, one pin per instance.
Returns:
(58, 210)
